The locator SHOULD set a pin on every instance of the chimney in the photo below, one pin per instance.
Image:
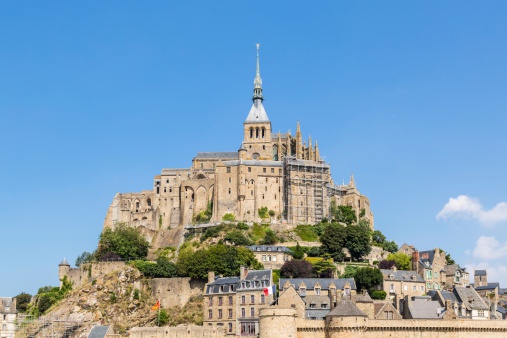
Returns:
(243, 271)
(415, 261)
(393, 268)
(211, 276)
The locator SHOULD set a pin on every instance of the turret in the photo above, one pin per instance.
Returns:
(63, 270)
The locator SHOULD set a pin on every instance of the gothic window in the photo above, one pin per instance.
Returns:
(275, 153)
(256, 132)
(251, 132)
(263, 130)
(149, 202)
(137, 205)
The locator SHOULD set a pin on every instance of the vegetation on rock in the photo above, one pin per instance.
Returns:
(125, 241)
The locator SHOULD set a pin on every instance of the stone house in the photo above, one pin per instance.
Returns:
(406, 249)
(271, 256)
(8, 315)
(400, 283)
(430, 266)
(338, 288)
(233, 303)
(456, 276)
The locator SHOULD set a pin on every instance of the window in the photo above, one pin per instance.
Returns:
(210, 314)
(202, 165)
(220, 300)
(230, 300)
(313, 306)
(243, 300)
(249, 169)
(324, 306)
(263, 170)
(213, 165)
(248, 328)
(317, 291)
(230, 313)
(165, 189)
(230, 180)
(263, 258)
(251, 192)
(229, 191)
(422, 288)
(252, 312)
(263, 299)
(252, 299)
(243, 312)
(388, 314)
(274, 258)
(405, 288)
(229, 170)
(280, 171)
(414, 288)
(210, 299)
(480, 313)
(262, 196)
(272, 170)
(219, 313)
(230, 327)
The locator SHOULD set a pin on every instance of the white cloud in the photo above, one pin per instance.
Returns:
(488, 248)
(496, 273)
(465, 207)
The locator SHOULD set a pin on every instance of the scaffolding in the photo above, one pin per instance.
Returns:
(305, 186)
(55, 326)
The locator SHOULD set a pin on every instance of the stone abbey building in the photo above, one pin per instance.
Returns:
(282, 172)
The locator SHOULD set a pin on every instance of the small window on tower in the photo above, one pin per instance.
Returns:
(228, 169)
(249, 169)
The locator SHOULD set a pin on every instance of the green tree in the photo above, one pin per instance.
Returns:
(162, 317)
(222, 259)
(402, 261)
(85, 257)
(298, 252)
(345, 214)
(297, 268)
(271, 213)
(22, 301)
(390, 246)
(349, 271)
(124, 241)
(448, 258)
(358, 241)
(324, 269)
(269, 237)
(378, 238)
(236, 237)
(263, 212)
(333, 241)
(368, 279)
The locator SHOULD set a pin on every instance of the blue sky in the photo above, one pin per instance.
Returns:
(97, 97)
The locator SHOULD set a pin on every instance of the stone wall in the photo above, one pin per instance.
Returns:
(89, 271)
(176, 332)
(175, 291)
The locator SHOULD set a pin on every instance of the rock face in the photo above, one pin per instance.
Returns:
(122, 299)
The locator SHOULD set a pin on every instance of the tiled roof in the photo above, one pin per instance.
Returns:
(345, 308)
(268, 248)
(324, 282)
(480, 273)
(402, 275)
(219, 154)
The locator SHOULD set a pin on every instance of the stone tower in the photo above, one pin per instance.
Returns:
(63, 270)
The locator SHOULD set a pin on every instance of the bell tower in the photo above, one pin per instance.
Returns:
(257, 127)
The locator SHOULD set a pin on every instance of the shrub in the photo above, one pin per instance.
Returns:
(380, 295)
(269, 238)
(297, 269)
(314, 251)
(124, 241)
(236, 237)
(228, 217)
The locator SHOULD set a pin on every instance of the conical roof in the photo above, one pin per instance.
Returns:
(64, 262)
(345, 308)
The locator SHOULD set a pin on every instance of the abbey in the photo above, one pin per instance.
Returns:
(279, 171)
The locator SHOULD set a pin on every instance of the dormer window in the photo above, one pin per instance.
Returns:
(391, 276)
(317, 291)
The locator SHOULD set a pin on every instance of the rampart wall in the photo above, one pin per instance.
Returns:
(175, 291)
(89, 271)
(176, 332)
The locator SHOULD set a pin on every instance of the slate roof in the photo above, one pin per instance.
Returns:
(318, 300)
(316, 313)
(257, 113)
(480, 273)
(469, 298)
(490, 286)
(402, 275)
(98, 331)
(345, 308)
(324, 282)
(64, 262)
(424, 308)
(428, 262)
(501, 291)
(255, 279)
(223, 284)
(268, 248)
(219, 154)
(364, 298)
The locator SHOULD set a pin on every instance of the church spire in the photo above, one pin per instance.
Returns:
(258, 81)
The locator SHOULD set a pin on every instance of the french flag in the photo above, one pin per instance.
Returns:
(269, 290)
